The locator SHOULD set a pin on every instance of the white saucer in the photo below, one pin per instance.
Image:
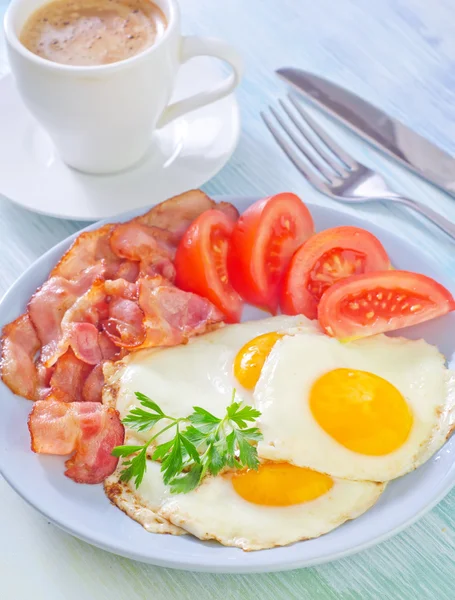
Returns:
(183, 155)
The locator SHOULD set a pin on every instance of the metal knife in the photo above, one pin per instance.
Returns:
(372, 124)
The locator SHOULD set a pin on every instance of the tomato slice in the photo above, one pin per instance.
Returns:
(201, 262)
(325, 258)
(383, 301)
(264, 239)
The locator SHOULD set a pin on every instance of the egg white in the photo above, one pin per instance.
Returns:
(199, 373)
(215, 511)
(291, 433)
(127, 499)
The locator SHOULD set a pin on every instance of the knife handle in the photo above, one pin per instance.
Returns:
(437, 219)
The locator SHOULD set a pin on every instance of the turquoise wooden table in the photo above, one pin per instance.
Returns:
(399, 54)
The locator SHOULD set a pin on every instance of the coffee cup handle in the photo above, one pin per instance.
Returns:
(193, 46)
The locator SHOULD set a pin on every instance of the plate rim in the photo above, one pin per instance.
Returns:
(269, 564)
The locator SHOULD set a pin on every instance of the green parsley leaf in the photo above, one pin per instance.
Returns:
(215, 456)
(141, 420)
(248, 455)
(201, 416)
(208, 445)
(173, 462)
(190, 448)
(230, 458)
(253, 434)
(242, 414)
(195, 436)
(233, 408)
(135, 468)
(186, 482)
(125, 450)
(162, 450)
(148, 403)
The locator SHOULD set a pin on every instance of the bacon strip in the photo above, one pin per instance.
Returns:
(153, 248)
(155, 313)
(50, 302)
(92, 389)
(172, 315)
(20, 344)
(88, 248)
(109, 350)
(136, 241)
(176, 214)
(79, 328)
(93, 248)
(124, 327)
(68, 378)
(112, 292)
(88, 429)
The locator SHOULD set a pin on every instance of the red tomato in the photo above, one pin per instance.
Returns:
(201, 259)
(264, 239)
(383, 301)
(325, 258)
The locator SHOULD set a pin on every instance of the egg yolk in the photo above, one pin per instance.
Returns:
(251, 358)
(281, 484)
(361, 411)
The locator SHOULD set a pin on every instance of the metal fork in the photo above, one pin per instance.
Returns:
(329, 168)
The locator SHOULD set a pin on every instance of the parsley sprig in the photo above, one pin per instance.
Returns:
(205, 444)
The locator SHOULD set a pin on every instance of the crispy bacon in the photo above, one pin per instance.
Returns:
(68, 378)
(49, 304)
(93, 385)
(20, 344)
(109, 350)
(44, 380)
(92, 248)
(176, 214)
(124, 327)
(152, 247)
(125, 324)
(158, 265)
(127, 270)
(88, 249)
(122, 288)
(112, 292)
(136, 241)
(228, 209)
(79, 328)
(172, 315)
(163, 316)
(88, 429)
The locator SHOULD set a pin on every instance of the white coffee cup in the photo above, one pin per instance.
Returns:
(101, 118)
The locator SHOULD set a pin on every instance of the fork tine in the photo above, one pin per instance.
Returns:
(293, 156)
(315, 144)
(322, 135)
(317, 164)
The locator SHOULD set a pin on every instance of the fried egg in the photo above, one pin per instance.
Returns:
(199, 373)
(334, 417)
(371, 409)
(277, 505)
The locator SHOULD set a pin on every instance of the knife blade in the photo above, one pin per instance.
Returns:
(376, 127)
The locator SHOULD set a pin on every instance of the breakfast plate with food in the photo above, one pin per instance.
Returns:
(257, 384)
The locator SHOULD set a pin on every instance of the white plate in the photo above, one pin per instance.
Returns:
(183, 155)
(85, 512)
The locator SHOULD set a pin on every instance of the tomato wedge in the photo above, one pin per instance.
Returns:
(263, 241)
(201, 262)
(324, 259)
(384, 301)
